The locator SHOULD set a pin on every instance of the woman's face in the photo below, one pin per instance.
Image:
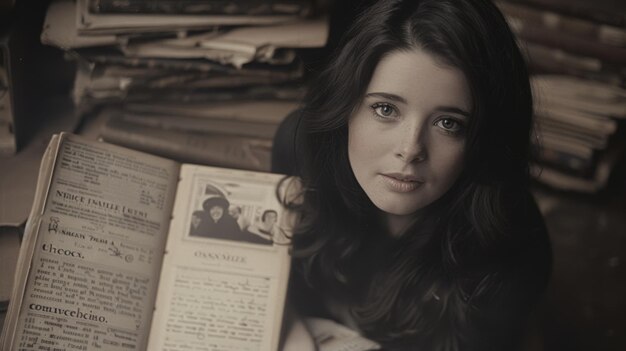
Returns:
(406, 138)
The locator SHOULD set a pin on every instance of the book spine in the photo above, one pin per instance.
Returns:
(570, 43)
(214, 150)
(207, 7)
(205, 125)
(589, 10)
(543, 59)
(590, 30)
(8, 142)
(283, 92)
(567, 162)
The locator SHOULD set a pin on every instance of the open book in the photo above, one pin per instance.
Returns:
(128, 251)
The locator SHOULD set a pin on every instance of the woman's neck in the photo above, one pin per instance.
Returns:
(396, 225)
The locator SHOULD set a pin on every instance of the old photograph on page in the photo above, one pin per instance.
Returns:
(101, 235)
(226, 265)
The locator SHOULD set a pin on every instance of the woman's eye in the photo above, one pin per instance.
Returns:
(384, 110)
(450, 125)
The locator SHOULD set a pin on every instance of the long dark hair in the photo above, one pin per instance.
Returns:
(421, 289)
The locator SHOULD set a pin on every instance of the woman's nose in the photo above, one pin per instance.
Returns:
(411, 146)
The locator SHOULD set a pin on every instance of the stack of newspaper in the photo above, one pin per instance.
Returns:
(203, 81)
(579, 132)
(576, 51)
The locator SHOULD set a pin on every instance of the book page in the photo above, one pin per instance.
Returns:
(29, 239)
(225, 270)
(98, 251)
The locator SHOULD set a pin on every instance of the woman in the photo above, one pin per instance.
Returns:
(418, 228)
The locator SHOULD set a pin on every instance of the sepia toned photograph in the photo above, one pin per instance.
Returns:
(313, 175)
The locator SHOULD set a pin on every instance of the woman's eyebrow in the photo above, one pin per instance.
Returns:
(452, 109)
(388, 96)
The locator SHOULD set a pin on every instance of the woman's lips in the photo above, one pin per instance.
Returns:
(401, 183)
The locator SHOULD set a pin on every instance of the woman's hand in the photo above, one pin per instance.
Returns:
(296, 335)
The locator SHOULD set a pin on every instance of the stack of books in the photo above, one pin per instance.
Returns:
(576, 51)
(203, 81)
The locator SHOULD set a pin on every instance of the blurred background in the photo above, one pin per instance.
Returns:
(209, 81)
